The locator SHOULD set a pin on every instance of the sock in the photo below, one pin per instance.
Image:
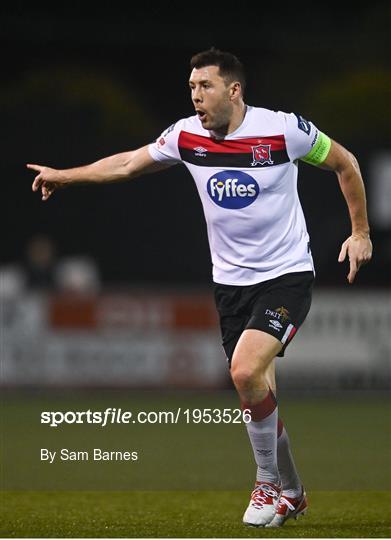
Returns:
(262, 431)
(291, 484)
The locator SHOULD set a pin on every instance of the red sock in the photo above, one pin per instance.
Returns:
(264, 408)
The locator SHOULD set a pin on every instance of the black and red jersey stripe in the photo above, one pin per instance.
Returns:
(208, 152)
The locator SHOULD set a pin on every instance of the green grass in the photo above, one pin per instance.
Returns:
(186, 514)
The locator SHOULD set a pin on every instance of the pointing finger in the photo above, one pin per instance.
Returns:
(34, 167)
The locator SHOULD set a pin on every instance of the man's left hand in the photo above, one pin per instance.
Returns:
(359, 250)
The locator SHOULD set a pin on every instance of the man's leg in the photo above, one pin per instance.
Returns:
(293, 498)
(253, 355)
(290, 480)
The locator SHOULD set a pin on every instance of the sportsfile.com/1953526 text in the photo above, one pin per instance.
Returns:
(118, 416)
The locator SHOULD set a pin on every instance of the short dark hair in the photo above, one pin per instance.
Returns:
(229, 65)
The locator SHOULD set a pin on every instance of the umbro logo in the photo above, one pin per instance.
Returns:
(264, 452)
(200, 151)
(275, 324)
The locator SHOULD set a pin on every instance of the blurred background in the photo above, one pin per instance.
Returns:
(110, 286)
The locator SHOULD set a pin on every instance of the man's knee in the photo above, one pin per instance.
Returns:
(253, 358)
(249, 370)
(243, 376)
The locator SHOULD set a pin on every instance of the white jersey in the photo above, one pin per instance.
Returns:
(247, 183)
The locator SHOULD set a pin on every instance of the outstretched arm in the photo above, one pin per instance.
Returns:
(116, 168)
(358, 246)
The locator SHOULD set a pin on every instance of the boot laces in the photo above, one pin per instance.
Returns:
(284, 501)
(260, 495)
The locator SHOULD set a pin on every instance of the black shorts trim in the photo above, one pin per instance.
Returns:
(278, 307)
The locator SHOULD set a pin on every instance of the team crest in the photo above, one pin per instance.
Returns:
(262, 154)
(283, 312)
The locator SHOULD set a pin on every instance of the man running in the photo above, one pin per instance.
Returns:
(244, 161)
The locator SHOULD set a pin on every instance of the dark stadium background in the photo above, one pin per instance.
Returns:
(82, 83)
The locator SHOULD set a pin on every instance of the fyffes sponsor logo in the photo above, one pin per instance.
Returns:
(232, 189)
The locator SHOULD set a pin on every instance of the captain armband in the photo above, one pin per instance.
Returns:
(319, 151)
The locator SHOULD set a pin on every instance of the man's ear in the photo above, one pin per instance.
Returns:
(235, 90)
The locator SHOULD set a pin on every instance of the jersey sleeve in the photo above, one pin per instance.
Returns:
(304, 140)
(165, 148)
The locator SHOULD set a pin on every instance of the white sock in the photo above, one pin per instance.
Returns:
(262, 431)
(291, 484)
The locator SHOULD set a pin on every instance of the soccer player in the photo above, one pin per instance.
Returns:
(244, 161)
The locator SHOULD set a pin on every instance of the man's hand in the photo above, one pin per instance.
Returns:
(48, 180)
(359, 250)
(117, 168)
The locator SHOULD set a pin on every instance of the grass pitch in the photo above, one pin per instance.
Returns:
(186, 514)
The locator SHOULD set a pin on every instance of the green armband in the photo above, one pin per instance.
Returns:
(319, 151)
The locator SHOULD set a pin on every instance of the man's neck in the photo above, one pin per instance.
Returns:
(236, 120)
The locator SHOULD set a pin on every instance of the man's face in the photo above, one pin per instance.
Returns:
(211, 97)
